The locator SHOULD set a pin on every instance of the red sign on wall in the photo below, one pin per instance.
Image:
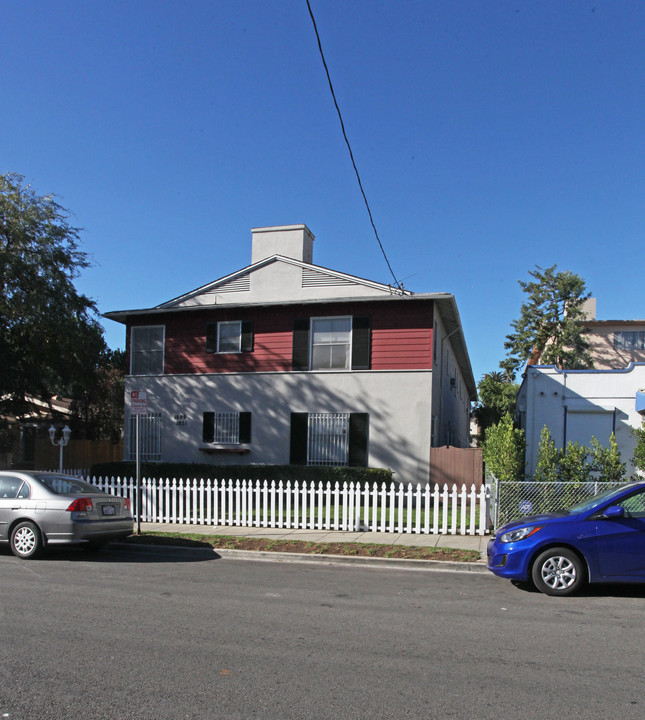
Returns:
(138, 402)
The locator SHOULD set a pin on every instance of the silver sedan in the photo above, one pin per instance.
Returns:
(39, 509)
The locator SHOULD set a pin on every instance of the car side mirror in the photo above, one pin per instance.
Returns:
(614, 512)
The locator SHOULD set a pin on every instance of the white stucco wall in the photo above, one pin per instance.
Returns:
(576, 404)
(397, 402)
(452, 402)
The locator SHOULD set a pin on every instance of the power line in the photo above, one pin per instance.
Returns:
(349, 147)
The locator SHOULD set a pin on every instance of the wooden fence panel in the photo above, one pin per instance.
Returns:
(456, 466)
(76, 454)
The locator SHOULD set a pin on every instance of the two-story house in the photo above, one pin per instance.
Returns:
(286, 362)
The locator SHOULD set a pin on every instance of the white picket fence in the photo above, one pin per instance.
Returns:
(314, 506)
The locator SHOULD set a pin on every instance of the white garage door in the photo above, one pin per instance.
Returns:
(582, 426)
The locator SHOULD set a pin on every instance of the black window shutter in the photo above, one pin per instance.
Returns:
(360, 343)
(300, 356)
(211, 337)
(208, 427)
(298, 452)
(359, 424)
(247, 336)
(245, 427)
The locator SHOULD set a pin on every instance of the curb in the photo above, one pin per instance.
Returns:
(358, 561)
(320, 559)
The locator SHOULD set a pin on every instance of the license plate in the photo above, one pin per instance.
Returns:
(108, 510)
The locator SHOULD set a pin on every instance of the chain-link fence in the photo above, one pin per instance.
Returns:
(511, 500)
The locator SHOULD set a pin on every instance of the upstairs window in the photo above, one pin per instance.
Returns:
(147, 350)
(229, 337)
(331, 343)
(629, 340)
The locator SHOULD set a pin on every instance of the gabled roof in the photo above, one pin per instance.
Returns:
(315, 284)
(313, 276)
(311, 285)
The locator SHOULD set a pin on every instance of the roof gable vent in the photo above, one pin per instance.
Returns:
(313, 278)
(238, 284)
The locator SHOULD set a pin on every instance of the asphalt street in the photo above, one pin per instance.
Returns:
(143, 633)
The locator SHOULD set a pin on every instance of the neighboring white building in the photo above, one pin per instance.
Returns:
(577, 405)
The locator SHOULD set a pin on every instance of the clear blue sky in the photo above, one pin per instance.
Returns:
(490, 137)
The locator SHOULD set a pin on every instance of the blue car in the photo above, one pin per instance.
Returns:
(599, 540)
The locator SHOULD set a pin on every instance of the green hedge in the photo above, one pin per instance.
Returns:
(369, 476)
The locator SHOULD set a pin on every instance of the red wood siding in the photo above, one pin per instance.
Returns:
(186, 342)
(401, 336)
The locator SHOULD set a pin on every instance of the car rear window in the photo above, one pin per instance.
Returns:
(66, 485)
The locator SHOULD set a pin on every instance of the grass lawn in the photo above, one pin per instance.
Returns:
(301, 546)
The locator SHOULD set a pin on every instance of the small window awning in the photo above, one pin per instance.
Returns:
(225, 449)
(640, 402)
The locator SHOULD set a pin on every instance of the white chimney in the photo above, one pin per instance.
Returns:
(292, 241)
(589, 308)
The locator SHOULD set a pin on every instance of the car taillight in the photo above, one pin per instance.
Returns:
(127, 505)
(81, 505)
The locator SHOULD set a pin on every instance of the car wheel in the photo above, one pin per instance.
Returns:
(26, 540)
(558, 571)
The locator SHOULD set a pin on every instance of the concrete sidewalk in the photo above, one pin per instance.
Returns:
(460, 542)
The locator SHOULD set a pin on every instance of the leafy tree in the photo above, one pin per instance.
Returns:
(550, 327)
(50, 338)
(97, 408)
(496, 392)
(607, 461)
(639, 450)
(503, 450)
(547, 468)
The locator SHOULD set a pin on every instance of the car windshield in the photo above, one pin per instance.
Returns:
(595, 501)
(66, 485)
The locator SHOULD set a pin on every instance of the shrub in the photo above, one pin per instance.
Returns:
(369, 476)
(639, 450)
(503, 450)
(548, 463)
(574, 466)
(606, 461)
(578, 463)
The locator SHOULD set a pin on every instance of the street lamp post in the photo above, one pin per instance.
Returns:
(61, 442)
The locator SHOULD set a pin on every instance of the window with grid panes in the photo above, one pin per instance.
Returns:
(226, 428)
(147, 350)
(331, 343)
(149, 437)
